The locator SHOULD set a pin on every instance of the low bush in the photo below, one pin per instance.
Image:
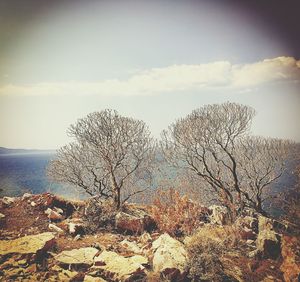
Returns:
(205, 250)
(176, 214)
(99, 215)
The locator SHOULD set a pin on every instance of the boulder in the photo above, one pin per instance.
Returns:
(219, 215)
(268, 242)
(82, 256)
(30, 244)
(131, 246)
(8, 200)
(169, 257)
(119, 268)
(134, 223)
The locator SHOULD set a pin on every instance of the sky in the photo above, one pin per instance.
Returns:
(151, 60)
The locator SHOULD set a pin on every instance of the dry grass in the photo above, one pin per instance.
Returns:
(205, 249)
(176, 214)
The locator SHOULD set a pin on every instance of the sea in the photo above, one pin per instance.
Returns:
(26, 172)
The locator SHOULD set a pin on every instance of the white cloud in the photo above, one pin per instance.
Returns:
(174, 78)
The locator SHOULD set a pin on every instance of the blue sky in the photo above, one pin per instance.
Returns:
(152, 60)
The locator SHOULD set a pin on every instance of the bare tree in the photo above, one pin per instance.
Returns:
(213, 142)
(110, 158)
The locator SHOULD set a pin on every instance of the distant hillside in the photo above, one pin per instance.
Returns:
(5, 151)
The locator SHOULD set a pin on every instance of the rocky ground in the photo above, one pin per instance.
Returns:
(47, 238)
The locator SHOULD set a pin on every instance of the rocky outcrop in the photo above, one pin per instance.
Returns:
(135, 224)
(82, 257)
(268, 242)
(119, 268)
(169, 257)
(30, 244)
(219, 215)
(7, 201)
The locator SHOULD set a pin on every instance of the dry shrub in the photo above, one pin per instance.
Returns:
(205, 249)
(291, 258)
(176, 214)
(99, 215)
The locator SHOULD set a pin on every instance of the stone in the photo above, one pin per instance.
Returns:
(55, 228)
(89, 278)
(219, 215)
(58, 210)
(131, 246)
(2, 216)
(33, 204)
(26, 196)
(169, 256)
(8, 200)
(119, 268)
(53, 215)
(268, 242)
(30, 244)
(75, 226)
(82, 256)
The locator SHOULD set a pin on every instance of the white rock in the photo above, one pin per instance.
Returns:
(58, 210)
(131, 246)
(2, 216)
(8, 200)
(220, 215)
(30, 244)
(168, 253)
(119, 268)
(55, 228)
(26, 195)
(33, 204)
(77, 256)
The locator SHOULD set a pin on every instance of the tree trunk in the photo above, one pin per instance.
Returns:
(116, 192)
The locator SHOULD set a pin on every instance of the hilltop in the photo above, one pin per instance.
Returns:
(48, 238)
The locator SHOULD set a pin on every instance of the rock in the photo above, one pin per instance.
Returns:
(76, 226)
(268, 242)
(77, 237)
(131, 246)
(145, 238)
(248, 222)
(82, 256)
(169, 256)
(55, 228)
(58, 210)
(136, 224)
(89, 278)
(26, 196)
(219, 215)
(30, 244)
(8, 200)
(53, 215)
(2, 216)
(119, 268)
(33, 204)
